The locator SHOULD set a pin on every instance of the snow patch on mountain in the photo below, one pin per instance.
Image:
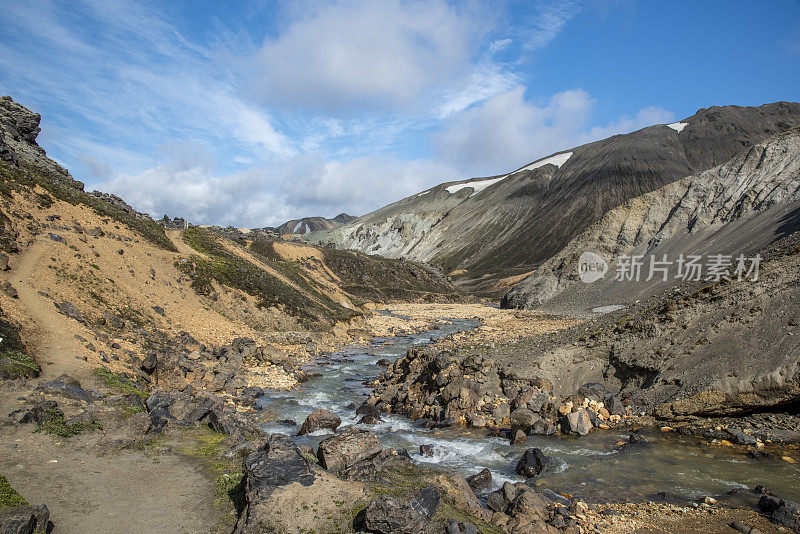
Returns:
(678, 126)
(558, 160)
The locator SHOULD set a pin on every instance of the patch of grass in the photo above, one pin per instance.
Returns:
(57, 424)
(70, 191)
(9, 496)
(207, 446)
(129, 410)
(119, 382)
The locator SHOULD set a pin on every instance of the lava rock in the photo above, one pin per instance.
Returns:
(388, 515)
(320, 419)
(532, 463)
(481, 480)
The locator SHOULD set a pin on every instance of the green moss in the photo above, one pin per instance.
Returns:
(8, 495)
(57, 424)
(60, 189)
(119, 382)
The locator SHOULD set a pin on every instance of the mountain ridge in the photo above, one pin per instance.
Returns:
(512, 225)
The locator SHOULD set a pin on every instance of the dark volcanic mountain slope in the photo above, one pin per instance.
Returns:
(486, 230)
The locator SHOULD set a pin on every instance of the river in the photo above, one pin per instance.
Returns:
(587, 467)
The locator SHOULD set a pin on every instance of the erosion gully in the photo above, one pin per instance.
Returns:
(587, 467)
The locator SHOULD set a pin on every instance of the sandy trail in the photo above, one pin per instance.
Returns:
(54, 345)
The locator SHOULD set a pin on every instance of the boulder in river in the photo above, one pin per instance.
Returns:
(320, 419)
(480, 480)
(523, 419)
(532, 463)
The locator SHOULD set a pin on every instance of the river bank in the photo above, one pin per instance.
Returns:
(370, 469)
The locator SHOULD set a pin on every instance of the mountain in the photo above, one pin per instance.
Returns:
(490, 233)
(307, 225)
(734, 209)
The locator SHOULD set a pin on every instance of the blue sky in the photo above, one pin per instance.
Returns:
(254, 114)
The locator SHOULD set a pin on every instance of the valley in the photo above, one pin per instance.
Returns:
(435, 366)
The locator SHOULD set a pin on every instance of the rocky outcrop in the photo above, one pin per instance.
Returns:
(468, 389)
(313, 224)
(25, 520)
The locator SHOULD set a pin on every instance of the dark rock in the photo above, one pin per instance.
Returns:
(159, 310)
(614, 405)
(344, 450)
(68, 391)
(454, 527)
(426, 450)
(368, 409)
(532, 463)
(42, 412)
(113, 321)
(523, 419)
(25, 520)
(9, 290)
(369, 420)
(784, 513)
(576, 423)
(372, 467)
(69, 309)
(149, 364)
(252, 392)
(427, 501)
(383, 362)
(55, 237)
(320, 419)
(741, 438)
(594, 391)
(276, 464)
(543, 427)
(388, 515)
(758, 454)
(480, 481)
(4, 262)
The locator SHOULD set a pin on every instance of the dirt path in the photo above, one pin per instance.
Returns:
(127, 492)
(52, 333)
(86, 493)
(176, 236)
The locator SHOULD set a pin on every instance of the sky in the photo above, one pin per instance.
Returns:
(264, 111)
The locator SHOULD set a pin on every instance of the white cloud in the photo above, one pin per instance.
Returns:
(506, 131)
(367, 53)
(306, 185)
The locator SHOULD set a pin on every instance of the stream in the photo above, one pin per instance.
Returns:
(586, 467)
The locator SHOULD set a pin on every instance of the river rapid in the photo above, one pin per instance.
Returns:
(587, 467)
